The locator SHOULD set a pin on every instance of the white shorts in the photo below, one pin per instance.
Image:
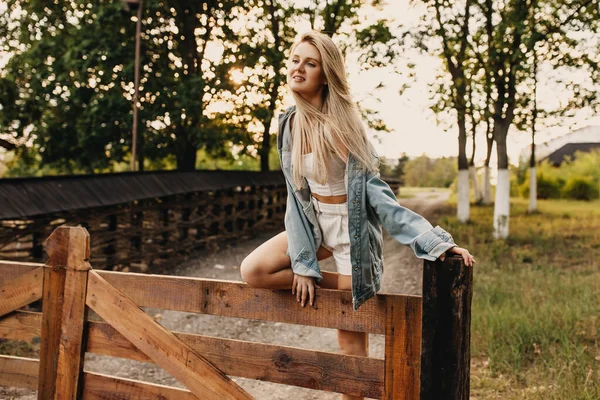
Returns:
(333, 221)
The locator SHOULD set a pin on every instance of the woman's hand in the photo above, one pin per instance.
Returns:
(303, 287)
(464, 253)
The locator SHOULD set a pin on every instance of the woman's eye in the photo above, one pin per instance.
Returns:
(295, 61)
(312, 64)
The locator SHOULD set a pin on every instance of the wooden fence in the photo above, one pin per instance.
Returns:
(153, 232)
(431, 366)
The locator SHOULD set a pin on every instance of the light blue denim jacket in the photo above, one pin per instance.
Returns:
(371, 204)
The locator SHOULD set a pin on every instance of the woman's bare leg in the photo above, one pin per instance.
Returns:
(351, 343)
(269, 267)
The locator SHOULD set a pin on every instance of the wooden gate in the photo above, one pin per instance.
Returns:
(69, 287)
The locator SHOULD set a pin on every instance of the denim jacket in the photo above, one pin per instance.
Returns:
(371, 204)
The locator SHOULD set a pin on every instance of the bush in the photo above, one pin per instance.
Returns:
(581, 189)
(547, 187)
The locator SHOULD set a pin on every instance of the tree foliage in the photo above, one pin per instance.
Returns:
(212, 76)
(423, 171)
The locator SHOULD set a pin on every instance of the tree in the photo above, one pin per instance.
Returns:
(76, 83)
(451, 29)
(426, 172)
(395, 172)
(501, 39)
(512, 33)
(70, 80)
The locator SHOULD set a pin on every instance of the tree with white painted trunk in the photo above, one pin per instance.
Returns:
(478, 112)
(449, 37)
(484, 103)
(512, 30)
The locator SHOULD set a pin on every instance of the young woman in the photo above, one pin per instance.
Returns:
(336, 201)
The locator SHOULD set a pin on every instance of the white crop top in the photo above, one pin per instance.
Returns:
(337, 176)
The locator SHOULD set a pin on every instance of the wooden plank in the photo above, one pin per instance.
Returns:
(71, 356)
(446, 356)
(10, 270)
(403, 349)
(19, 372)
(64, 313)
(181, 361)
(358, 376)
(102, 387)
(54, 282)
(21, 325)
(21, 291)
(236, 299)
(353, 375)
(23, 373)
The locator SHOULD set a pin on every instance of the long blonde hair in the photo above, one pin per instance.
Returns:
(335, 128)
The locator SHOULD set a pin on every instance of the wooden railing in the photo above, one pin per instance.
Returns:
(69, 287)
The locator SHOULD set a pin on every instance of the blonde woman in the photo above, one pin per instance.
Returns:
(336, 203)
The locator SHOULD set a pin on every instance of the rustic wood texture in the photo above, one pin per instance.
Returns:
(54, 283)
(19, 372)
(164, 348)
(21, 325)
(403, 348)
(103, 387)
(65, 282)
(21, 291)
(23, 373)
(158, 231)
(235, 299)
(445, 362)
(10, 270)
(358, 376)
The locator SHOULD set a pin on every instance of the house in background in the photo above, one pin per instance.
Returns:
(557, 150)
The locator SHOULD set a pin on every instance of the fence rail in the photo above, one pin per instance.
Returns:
(69, 287)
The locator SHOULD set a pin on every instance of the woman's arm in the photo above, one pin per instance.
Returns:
(406, 226)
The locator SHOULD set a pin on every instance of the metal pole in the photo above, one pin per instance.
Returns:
(136, 82)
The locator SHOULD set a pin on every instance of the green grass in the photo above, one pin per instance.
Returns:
(536, 302)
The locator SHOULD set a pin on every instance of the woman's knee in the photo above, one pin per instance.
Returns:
(250, 272)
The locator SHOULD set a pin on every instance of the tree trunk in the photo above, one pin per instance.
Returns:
(532, 190)
(487, 188)
(463, 207)
(475, 181)
(486, 197)
(532, 172)
(140, 150)
(265, 147)
(502, 201)
(185, 151)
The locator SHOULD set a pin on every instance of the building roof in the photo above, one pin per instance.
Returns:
(587, 135)
(568, 150)
(27, 197)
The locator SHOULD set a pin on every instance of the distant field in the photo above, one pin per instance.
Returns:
(406, 192)
(536, 304)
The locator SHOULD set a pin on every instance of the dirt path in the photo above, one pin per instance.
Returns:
(402, 275)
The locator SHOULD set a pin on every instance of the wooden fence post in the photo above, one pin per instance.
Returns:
(63, 319)
(445, 354)
(402, 348)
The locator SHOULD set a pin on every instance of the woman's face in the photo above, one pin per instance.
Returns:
(305, 72)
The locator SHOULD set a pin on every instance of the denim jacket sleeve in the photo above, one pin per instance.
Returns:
(301, 245)
(406, 226)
